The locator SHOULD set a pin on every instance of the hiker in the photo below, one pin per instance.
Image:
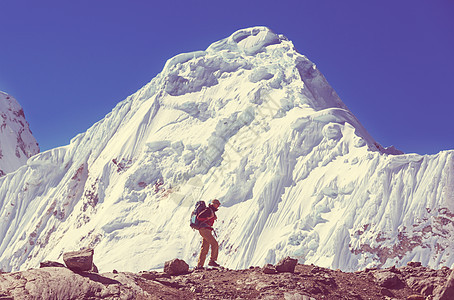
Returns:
(207, 218)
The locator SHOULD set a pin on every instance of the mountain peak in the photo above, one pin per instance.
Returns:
(17, 143)
(267, 67)
(253, 123)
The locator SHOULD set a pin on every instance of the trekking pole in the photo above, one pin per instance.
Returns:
(214, 231)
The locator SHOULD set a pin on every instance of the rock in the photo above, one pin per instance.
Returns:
(325, 279)
(5, 296)
(49, 264)
(423, 285)
(261, 286)
(414, 264)
(79, 260)
(416, 297)
(269, 269)
(386, 292)
(447, 292)
(387, 279)
(176, 267)
(286, 265)
(393, 269)
(296, 296)
(62, 283)
(315, 290)
(427, 289)
(94, 269)
(195, 289)
(367, 270)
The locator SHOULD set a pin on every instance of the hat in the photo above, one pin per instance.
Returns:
(215, 201)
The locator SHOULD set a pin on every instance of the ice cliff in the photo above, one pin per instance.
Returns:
(249, 121)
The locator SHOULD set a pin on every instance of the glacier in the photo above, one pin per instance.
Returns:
(249, 121)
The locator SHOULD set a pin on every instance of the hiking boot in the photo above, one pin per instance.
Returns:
(198, 268)
(213, 264)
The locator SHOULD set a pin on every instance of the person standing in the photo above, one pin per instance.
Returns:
(207, 218)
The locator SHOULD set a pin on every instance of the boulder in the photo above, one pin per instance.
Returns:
(79, 260)
(424, 285)
(50, 264)
(387, 279)
(62, 283)
(176, 267)
(269, 269)
(286, 265)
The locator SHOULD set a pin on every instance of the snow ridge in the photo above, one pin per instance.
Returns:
(249, 121)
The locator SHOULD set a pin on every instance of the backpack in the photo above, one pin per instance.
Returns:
(199, 207)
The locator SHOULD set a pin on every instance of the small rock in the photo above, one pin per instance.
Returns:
(176, 267)
(296, 296)
(286, 265)
(414, 264)
(261, 286)
(79, 260)
(386, 292)
(94, 269)
(367, 270)
(353, 295)
(5, 296)
(393, 269)
(148, 275)
(269, 269)
(416, 297)
(115, 271)
(314, 290)
(326, 279)
(50, 264)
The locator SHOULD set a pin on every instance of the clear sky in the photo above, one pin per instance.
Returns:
(68, 63)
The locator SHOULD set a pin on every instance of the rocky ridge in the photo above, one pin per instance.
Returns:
(285, 280)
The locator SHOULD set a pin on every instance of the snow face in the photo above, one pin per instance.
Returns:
(253, 123)
(17, 143)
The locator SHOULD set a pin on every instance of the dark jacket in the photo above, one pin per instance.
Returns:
(207, 216)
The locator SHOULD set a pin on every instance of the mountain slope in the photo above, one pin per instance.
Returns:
(17, 143)
(249, 121)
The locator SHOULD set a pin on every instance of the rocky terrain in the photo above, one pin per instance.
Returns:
(285, 280)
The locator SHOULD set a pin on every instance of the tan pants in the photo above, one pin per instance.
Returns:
(208, 240)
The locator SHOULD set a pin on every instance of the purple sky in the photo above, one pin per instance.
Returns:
(68, 63)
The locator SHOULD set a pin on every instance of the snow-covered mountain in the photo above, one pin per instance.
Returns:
(17, 143)
(249, 121)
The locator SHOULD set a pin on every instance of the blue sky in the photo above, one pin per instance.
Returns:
(68, 63)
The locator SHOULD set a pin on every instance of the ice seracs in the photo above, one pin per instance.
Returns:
(253, 123)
